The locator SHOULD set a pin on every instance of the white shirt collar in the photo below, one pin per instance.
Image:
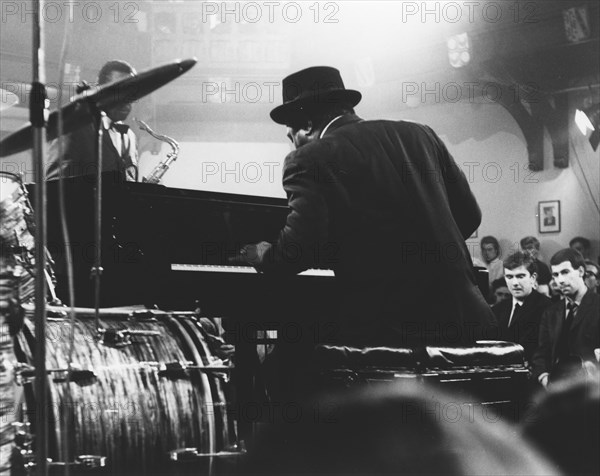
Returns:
(327, 126)
(515, 302)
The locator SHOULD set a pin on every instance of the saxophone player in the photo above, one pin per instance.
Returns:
(119, 148)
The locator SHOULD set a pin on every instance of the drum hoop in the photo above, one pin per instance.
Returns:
(207, 396)
(199, 337)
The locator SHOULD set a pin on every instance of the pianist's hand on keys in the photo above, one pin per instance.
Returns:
(251, 254)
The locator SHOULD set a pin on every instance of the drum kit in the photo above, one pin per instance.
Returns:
(129, 390)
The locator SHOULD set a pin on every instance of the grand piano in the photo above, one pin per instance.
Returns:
(171, 248)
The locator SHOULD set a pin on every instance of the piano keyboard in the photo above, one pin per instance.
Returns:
(207, 268)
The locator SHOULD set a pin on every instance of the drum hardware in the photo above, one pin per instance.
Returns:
(192, 454)
(87, 462)
(122, 337)
(57, 314)
(181, 370)
(153, 314)
(25, 373)
(24, 447)
(23, 436)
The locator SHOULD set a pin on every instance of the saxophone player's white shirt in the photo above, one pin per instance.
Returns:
(127, 148)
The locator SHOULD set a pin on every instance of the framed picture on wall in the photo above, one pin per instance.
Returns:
(549, 216)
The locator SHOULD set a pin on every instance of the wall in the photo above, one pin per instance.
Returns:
(495, 162)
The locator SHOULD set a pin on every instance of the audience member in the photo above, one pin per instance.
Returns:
(555, 292)
(519, 317)
(581, 244)
(398, 428)
(499, 291)
(531, 245)
(591, 276)
(565, 425)
(569, 329)
(490, 252)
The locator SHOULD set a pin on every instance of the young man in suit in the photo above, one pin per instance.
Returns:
(384, 205)
(531, 245)
(119, 147)
(569, 329)
(519, 317)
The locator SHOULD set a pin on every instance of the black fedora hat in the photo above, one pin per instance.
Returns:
(318, 84)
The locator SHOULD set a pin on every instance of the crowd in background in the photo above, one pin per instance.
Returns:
(552, 311)
(498, 289)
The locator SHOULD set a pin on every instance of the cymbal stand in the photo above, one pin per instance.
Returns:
(37, 108)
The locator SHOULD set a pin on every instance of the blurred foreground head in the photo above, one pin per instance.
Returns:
(399, 428)
(565, 425)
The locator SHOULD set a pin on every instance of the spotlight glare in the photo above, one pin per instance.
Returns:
(459, 53)
(589, 119)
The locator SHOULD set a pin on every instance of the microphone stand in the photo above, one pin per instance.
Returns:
(37, 108)
(96, 271)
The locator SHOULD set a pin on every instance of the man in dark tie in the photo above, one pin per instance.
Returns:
(119, 147)
(569, 329)
(519, 317)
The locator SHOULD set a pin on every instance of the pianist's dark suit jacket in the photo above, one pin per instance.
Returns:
(525, 329)
(584, 335)
(385, 206)
(80, 157)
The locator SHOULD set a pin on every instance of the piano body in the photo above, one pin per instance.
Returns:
(170, 247)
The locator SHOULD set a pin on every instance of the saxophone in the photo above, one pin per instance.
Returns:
(161, 169)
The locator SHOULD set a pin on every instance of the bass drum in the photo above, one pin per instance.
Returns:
(136, 397)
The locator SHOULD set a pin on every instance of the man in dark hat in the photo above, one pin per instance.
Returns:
(119, 147)
(385, 206)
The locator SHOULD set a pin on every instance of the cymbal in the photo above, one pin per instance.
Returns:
(7, 99)
(80, 111)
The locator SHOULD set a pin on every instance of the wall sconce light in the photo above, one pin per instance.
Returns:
(587, 120)
(459, 50)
